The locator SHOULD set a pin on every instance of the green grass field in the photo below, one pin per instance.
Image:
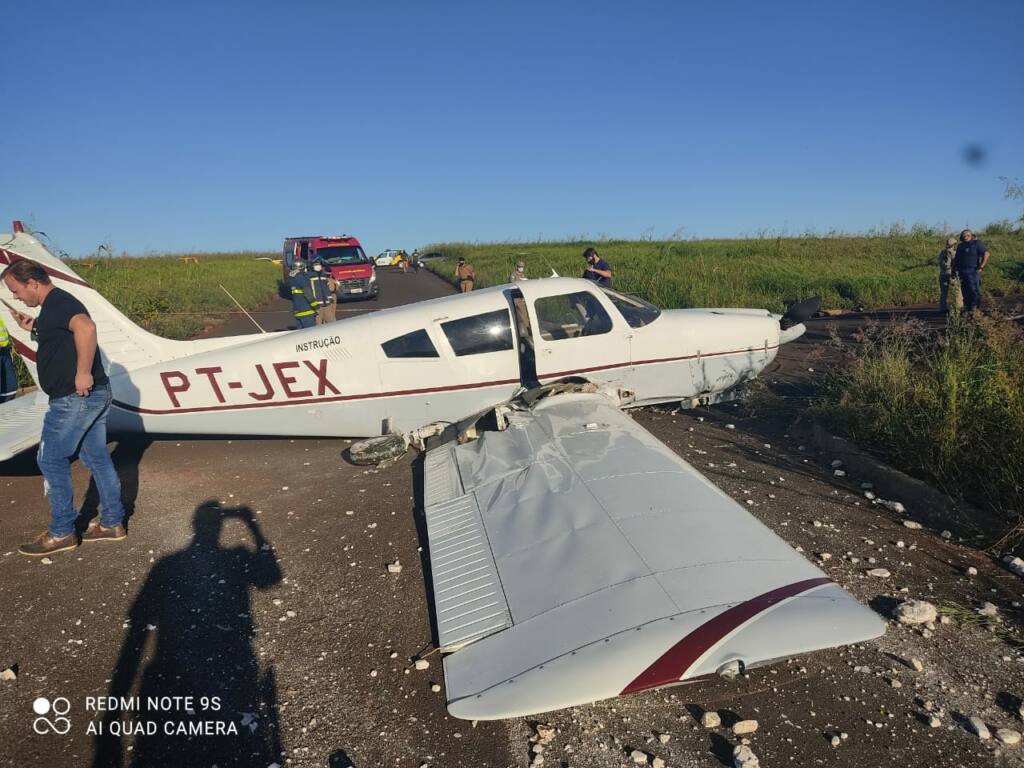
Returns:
(175, 298)
(846, 272)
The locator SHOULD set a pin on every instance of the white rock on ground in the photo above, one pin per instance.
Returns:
(912, 525)
(893, 506)
(916, 612)
(972, 571)
(8, 675)
(988, 609)
(978, 728)
(664, 738)
(658, 763)
(934, 722)
(710, 720)
(916, 665)
(744, 727)
(744, 757)
(421, 664)
(395, 567)
(545, 733)
(1008, 736)
(881, 573)
(639, 756)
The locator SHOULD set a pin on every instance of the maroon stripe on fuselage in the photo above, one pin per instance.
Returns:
(311, 401)
(677, 660)
(9, 257)
(652, 361)
(24, 350)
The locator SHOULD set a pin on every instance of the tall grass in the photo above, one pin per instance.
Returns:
(177, 295)
(947, 407)
(846, 272)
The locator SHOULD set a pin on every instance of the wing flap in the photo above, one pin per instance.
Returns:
(623, 568)
(21, 423)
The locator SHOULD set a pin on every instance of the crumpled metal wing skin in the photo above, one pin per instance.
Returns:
(574, 557)
(21, 423)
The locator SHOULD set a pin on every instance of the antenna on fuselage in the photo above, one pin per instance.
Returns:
(242, 308)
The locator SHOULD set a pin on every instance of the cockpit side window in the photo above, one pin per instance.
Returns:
(490, 332)
(637, 312)
(570, 316)
(415, 344)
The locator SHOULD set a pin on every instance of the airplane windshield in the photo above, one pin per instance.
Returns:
(341, 255)
(637, 312)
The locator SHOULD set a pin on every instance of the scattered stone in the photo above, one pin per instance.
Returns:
(945, 620)
(730, 426)
(710, 720)
(838, 473)
(916, 612)
(537, 749)
(912, 525)
(373, 673)
(916, 665)
(395, 567)
(1008, 736)
(664, 738)
(435, 688)
(893, 506)
(658, 763)
(881, 573)
(1015, 564)
(977, 726)
(836, 741)
(8, 675)
(895, 683)
(816, 523)
(421, 664)
(46, 561)
(744, 757)
(836, 463)
(972, 571)
(934, 722)
(988, 610)
(545, 733)
(639, 756)
(946, 535)
(825, 556)
(744, 727)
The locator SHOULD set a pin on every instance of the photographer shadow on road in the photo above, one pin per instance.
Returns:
(189, 634)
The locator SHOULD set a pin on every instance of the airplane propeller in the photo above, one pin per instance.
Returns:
(799, 312)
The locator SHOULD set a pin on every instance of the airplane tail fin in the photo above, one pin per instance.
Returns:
(125, 345)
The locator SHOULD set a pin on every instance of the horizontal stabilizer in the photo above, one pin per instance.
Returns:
(21, 423)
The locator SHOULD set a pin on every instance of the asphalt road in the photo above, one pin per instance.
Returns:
(254, 580)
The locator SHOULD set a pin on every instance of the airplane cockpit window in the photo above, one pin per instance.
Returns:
(637, 312)
(570, 316)
(415, 344)
(490, 332)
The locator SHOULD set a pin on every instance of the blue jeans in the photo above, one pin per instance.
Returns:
(75, 424)
(970, 283)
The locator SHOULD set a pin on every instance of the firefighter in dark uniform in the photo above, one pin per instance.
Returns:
(969, 262)
(302, 296)
(8, 376)
(320, 285)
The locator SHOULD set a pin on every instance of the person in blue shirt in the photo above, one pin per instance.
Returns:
(969, 262)
(597, 269)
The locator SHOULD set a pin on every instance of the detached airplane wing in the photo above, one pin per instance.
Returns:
(574, 557)
(21, 423)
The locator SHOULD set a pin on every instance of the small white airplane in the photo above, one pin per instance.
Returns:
(573, 557)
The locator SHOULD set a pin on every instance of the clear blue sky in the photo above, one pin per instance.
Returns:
(228, 125)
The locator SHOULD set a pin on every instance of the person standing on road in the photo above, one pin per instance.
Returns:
(969, 262)
(8, 376)
(597, 269)
(519, 273)
(465, 275)
(948, 282)
(71, 373)
(302, 296)
(320, 287)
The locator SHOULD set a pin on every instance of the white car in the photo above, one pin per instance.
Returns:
(387, 258)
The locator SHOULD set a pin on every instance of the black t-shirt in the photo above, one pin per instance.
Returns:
(969, 255)
(57, 358)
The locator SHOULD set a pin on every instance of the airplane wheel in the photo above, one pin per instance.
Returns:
(378, 450)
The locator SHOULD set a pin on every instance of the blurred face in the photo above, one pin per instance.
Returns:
(27, 293)
(966, 235)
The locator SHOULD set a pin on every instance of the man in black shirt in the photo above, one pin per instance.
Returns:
(71, 373)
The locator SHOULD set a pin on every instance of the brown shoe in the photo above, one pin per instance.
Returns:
(45, 544)
(96, 532)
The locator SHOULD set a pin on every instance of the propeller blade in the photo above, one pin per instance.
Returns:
(800, 311)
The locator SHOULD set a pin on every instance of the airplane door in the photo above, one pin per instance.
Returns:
(577, 332)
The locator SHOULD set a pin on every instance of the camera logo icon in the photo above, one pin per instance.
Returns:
(59, 708)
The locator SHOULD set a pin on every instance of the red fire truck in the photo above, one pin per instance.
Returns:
(342, 256)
